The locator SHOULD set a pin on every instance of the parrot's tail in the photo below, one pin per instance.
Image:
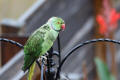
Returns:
(31, 71)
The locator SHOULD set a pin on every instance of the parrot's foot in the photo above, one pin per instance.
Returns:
(46, 54)
(43, 57)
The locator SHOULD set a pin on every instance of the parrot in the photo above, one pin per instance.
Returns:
(40, 41)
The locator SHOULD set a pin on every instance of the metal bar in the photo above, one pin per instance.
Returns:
(81, 45)
(59, 48)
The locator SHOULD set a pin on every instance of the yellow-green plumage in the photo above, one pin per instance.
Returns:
(31, 71)
(40, 42)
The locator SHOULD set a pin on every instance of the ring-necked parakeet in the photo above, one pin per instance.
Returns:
(40, 42)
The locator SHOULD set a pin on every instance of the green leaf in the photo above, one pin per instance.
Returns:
(103, 71)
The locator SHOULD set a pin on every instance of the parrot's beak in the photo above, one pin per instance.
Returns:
(63, 27)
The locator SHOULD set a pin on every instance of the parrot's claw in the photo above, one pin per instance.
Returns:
(39, 59)
(46, 54)
(43, 57)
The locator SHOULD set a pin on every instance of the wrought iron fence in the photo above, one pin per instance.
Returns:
(51, 74)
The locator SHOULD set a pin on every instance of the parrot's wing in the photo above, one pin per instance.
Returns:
(34, 42)
(33, 47)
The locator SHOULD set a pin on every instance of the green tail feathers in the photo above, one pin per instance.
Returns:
(31, 71)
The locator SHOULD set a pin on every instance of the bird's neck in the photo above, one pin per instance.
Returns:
(53, 32)
(52, 27)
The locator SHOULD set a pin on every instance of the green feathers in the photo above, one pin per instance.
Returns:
(41, 41)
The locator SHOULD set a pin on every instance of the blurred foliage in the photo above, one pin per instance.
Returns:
(103, 71)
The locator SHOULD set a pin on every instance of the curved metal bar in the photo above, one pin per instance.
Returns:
(12, 42)
(80, 45)
(55, 53)
(21, 46)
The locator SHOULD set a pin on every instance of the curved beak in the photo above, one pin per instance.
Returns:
(63, 27)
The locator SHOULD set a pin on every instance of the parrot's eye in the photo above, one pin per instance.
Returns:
(58, 22)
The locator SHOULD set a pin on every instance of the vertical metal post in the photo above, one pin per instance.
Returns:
(59, 51)
(50, 72)
(59, 48)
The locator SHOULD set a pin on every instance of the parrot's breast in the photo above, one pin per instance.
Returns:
(48, 42)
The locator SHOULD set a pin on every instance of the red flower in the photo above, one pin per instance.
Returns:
(102, 23)
(114, 17)
(108, 26)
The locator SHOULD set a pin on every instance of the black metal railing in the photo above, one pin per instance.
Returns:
(12, 42)
(79, 46)
(50, 71)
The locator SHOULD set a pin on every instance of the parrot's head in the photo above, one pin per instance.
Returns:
(56, 23)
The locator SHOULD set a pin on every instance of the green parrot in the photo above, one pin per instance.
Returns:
(40, 42)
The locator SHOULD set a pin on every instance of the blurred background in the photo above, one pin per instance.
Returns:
(85, 20)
